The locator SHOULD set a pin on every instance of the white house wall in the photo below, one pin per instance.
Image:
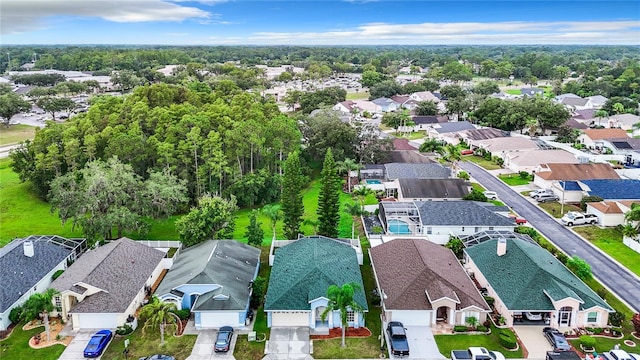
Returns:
(216, 319)
(606, 219)
(411, 317)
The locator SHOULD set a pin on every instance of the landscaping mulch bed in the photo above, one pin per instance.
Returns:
(5, 333)
(336, 333)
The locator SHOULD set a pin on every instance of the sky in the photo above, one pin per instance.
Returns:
(328, 22)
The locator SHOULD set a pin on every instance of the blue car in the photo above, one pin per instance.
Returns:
(97, 343)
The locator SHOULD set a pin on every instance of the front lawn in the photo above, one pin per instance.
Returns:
(446, 343)
(145, 342)
(609, 240)
(413, 135)
(16, 346)
(606, 344)
(514, 179)
(16, 133)
(479, 160)
(554, 208)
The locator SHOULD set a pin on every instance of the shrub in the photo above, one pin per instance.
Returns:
(259, 289)
(57, 274)
(125, 329)
(490, 301)
(475, 195)
(523, 175)
(14, 315)
(459, 328)
(472, 321)
(587, 341)
(616, 318)
(562, 257)
(508, 339)
(183, 314)
(481, 328)
(636, 322)
(463, 175)
(376, 229)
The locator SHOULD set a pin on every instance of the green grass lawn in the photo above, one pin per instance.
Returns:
(556, 210)
(413, 135)
(486, 164)
(609, 240)
(358, 95)
(446, 343)
(514, 179)
(16, 346)
(477, 186)
(606, 344)
(512, 91)
(16, 133)
(145, 342)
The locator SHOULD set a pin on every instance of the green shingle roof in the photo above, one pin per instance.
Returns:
(528, 277)
(302, 271)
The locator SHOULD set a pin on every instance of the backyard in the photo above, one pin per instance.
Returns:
(609, 240)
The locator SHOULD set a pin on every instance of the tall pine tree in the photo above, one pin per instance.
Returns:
(292, 207)
(329, 198)
(254, 233)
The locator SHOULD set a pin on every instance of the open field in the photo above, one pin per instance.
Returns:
(16, 133)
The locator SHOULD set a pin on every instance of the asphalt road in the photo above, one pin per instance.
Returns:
(617, 278)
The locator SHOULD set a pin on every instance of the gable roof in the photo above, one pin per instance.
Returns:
(577, 171)
(597, 99)
(428, 119)
(383, 101)
(407, 156)
(614, 189)
(426, 96)
(434, 188)
(227, 263)
(454, 126)
(575, 124)
(511, 143)
(625, 143)
(303, 271)
(566, 95)
(625, 119)
(416, 171)
(120, 268)
(460, 213)
(584, 114)
(401, 99)
(484, 134)
(528, 277)
(20, 273)
(600, 134)
(413, 272)
(574, 101)
(538, 156)
(606, 207)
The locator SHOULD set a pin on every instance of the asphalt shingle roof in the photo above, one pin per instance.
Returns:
(416, 171)
(434, 188)
(528, 277)
(20, 273)
(120, 268)
(303, 270)
(577, 171)
(454, 126)
(459, 213)
(619, 189)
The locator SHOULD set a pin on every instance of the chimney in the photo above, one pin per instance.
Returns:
(27, 246)
(502, 246)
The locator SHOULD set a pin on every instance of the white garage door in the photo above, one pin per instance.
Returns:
(219, 319)
(290, 318)
(98, 321)
(412, 317)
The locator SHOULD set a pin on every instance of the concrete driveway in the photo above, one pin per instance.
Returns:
(75, 349)
(288, 343)
(616, 277)
(533, 339)
(203, 348)
(422, 345)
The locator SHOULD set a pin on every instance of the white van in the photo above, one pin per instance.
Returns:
(491, 195)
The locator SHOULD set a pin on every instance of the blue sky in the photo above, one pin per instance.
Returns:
(328, 22)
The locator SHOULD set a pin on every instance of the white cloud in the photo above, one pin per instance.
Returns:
(18, 16)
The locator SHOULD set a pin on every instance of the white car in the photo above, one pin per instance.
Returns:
(491, 195)
(535, 193)
(533, 316)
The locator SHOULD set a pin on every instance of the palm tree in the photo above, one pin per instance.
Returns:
(431, 145)
(362, 192)
(353, 209)
(629, 231)
(341, 299)
(273, 212)
(452, 154)
(633, 216)
(311, 222)
(40, 304)
(158, 313)
(348, 165)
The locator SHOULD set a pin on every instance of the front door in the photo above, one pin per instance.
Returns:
(565, 317)
(319, 321)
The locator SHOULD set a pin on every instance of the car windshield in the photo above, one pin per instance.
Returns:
(222, 338)
(571, 216)
(94, 342)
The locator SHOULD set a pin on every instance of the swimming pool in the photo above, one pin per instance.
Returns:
(398, 227)
(373, 181)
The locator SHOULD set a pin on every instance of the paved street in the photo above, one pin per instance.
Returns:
(617, 278)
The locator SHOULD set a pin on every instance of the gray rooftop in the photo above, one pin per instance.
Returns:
(460, 213)
(434, 188)
(227, 263)
(120, 268)
(20, 273)
(455, 126)
(416, 171)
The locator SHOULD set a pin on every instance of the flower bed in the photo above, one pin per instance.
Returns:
(336, 333)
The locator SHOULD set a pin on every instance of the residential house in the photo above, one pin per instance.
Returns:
(575, 124)
(568, 191)
(405, 101)
(547, 173)
(472, 137)
(585, 116)
(395, 171)
(386, 104)
(401, 144)
(27, 266)
(610, 213)
(422, 284)
(437, 220)
(531, 92)
(598, 101)
(576, 103)
(628, 147)
(502, 96)
(347, 107)
(301, 274)
(623, 121)
(407, 189)
(105, 287)
(423, 123)
(408, 156)
(424, 96)
(366, 105)
(213, 279)
(501, 146)
(592, 138)
(449, 132)
(561, 97)
(529, 161)
(523, 277)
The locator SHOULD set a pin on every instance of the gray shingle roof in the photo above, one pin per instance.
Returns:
(227, 263)
(434, 188)
(120, 268)
(416, 171)
(20, 273)
(459, 213)
(454, 126)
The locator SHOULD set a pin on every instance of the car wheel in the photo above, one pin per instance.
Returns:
(570, 224)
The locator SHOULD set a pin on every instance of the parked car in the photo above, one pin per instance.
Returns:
(518, 219)
(466, 152)
(577, 218)
(158, 357)
(223, 340)
(476, 353)
(547, 197)
(97, 343)
(398, 342)
(535, 193)
(556, 339)
(491, 195)
(533, 316)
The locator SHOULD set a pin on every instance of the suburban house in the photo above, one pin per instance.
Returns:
(302, 272)
(523, 277)
(429, 189)
(598, 101)
(347, 107)
(105, 287)
(529, 161)
(623, 121)
(561, 97)
(610, 213)
(472, 137)
(395, 171)
(449, 132)
(501, 146)
(575, 124)
(531, 92)
(405, 101)
(628, 147)
(437, 220)
(547, 173)
(423, 123)
(366, 105)
(585, 116)
(592, 138)
(27, 266)
(213, 279)
(424, 96)
(422, 284)
(576, 103)
(386, 104)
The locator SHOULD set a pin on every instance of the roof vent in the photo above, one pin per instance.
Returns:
(28, 248)
(502, 247)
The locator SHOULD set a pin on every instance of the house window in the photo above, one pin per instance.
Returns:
(490, 227)
(58, 301)
(429, 230)
(592, 317)
(351, 316)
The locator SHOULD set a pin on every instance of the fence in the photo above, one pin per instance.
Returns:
(632, 243)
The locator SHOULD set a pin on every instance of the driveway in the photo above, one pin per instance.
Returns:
(422, 345)
(288, 343)
(533, 339)
(616, 277)
(75, 349)
(203, 348)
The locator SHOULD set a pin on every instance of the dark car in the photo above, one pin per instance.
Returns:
(158, 357)
(223, 340)
(556, 339)
(399, 345)
(97, 343)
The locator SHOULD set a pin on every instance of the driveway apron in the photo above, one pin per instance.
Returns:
(534, 340)
(288, 343)
(75, 349)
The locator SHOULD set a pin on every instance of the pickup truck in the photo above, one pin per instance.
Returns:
(619, 355)
(576, 218)
(476, 353)
(398, 342)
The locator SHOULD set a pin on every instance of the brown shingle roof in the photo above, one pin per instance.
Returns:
(409, 270)
(402, 144)
(606, 207)
(599, 134)
(578, 172)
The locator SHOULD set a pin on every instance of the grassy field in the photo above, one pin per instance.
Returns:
(514, 179)
(486, 164)
(413, 135)
(609, 240)
(556, 210)
(446, 343)
(358, 95)
(16, 346)
(16, 133)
